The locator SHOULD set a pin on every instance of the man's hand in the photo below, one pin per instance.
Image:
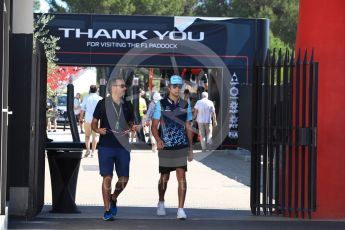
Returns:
(160, 144)
(214, 123)
(101, 131)
(135, 127)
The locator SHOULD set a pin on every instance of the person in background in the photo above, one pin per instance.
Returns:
(174, 139)
(51, 114)
(186, 94)
(142, 113)
(202, 82)
(142, 105)
(148, 118)
(204, 112)
(87, 108)
(77, 110)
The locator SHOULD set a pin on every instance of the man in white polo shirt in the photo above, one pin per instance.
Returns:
(87, 108)
(205, 114)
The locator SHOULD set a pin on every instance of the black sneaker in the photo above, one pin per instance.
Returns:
(108, 216)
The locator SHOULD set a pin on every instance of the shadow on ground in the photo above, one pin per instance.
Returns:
(234, 164)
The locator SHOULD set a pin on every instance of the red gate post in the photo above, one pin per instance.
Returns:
(321, 26)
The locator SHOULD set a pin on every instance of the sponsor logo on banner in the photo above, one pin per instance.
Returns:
(233, 107)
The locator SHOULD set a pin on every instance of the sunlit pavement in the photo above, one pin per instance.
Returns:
(214, 180)
(218, 197)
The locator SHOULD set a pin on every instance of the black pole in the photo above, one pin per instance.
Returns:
(136, 95)
(70, 113)
(271, 131)
(253, 179)
(304, 103)
(290, 132)
(297, 105)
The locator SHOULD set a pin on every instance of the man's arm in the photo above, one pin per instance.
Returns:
(189, 131)
(94, 126)
(154, 131)
(214, 119)
(82, 114)
(154, 127)
(195, 113)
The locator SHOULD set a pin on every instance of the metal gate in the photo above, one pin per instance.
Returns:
(283, 166)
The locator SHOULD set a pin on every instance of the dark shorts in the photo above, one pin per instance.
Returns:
(170, 160)
(167, 170)
(108, 157)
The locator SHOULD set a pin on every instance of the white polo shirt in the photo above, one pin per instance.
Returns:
(205, 108)
(89, 105)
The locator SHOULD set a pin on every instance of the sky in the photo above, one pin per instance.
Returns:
(44, 6)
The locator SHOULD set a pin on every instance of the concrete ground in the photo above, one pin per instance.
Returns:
(216, 180)
(218, 197)
(210, 185)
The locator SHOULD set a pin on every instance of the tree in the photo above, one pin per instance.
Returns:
(282, 14)
(60, 76)
(49, 43)
(159, 7)
(125, 7)
(37, 5)
(213, 8)
(93, 6)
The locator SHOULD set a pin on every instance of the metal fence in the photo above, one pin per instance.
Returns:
(283, 166)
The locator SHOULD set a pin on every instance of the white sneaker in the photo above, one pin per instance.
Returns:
(161, 209)
(87, 153)
(181, 215)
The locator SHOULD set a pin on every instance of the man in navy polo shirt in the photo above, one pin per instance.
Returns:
(116, 121)
(174, 140)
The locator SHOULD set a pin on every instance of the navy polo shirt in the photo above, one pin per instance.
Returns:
(172, 118)
(107, 114)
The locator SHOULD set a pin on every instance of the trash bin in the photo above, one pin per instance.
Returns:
(64, 166)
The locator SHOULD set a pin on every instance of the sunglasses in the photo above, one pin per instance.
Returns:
(122, 86)
(176, 85)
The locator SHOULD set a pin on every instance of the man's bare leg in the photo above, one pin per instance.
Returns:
(162, 185)
(106, 189)
(182, 186)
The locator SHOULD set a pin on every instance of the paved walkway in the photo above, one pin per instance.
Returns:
(217, 198)
(216, 180)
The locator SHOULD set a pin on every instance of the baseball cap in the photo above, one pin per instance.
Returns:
(175, 79)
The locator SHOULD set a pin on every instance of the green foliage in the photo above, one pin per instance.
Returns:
(276, 43)
(213, 8)
(282, 14)
(125, 7)
(49, 42)
(158, 7)
(37, 5)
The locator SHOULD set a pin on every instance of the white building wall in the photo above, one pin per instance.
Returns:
(22, 17)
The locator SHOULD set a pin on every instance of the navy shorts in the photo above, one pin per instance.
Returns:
(108, 157)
